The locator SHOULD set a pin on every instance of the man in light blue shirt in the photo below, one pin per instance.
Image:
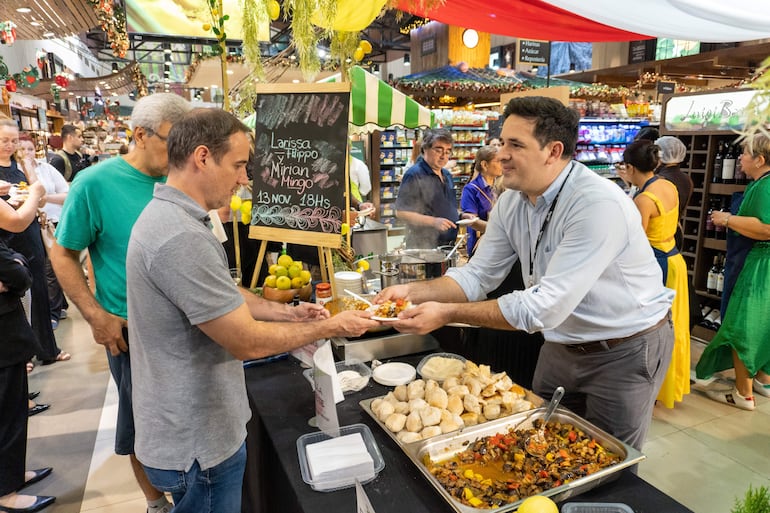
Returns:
(593, 287)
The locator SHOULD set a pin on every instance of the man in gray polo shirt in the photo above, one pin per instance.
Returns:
(190, 325)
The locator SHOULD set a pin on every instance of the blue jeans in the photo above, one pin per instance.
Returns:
(214, 490)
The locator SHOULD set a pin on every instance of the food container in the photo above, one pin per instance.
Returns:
(435, 374)
(332, 484)
(445, 446)
(406, 265)
(596, 507)
(348, 385)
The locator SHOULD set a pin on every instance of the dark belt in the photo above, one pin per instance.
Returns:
(606, 345)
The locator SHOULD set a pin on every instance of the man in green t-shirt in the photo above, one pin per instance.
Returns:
(98, 214)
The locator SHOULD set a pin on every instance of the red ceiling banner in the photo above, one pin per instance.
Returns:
(529, 19)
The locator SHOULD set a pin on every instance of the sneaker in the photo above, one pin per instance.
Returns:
(63, 314)
(166, 508)
(732, 397)
(761, 388)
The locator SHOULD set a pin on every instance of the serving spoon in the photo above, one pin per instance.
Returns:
(356, 296)
(536, 444)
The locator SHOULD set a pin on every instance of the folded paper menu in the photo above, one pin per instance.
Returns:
(338, 460)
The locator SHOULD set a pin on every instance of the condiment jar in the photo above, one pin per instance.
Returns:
(323, 293)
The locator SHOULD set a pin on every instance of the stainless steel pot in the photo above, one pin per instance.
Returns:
(407, 265)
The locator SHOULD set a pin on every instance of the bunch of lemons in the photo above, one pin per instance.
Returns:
(361, 265)
(286, 274)
(243, 206)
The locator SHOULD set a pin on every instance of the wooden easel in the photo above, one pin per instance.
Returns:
(325, 242)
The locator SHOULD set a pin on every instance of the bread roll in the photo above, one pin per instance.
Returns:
(400, 393)
(455, 404)
(401, 407)
(408, 437)
(491, 411)
(417, 404)
(386, 410)
(436, 397)
(395, 422)
(414, 422)
(430, 416)
(430, 431)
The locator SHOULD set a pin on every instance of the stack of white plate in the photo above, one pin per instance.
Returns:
(349, 280)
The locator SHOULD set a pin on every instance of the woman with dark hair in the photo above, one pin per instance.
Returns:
(658, 203)
(478, 195)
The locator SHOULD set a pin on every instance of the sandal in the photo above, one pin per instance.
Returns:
(63, 356)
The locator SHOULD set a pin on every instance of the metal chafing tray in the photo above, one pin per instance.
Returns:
(445, 446)
(382, 345)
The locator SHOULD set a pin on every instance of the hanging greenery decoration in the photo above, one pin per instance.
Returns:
(305, 35)
(113, 22)
(217, 26)
(256, 13)
(758, 109)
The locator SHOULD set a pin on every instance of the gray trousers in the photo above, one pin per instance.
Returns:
(613, 389)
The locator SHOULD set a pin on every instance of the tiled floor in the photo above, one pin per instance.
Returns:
(701, 453)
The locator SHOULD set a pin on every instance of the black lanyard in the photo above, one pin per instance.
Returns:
(544, 226)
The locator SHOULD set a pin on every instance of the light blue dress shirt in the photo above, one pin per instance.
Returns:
(595, 276)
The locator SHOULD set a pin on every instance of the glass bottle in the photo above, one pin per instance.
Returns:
(721, 278)
(728, 166)
(716, 176)
(711, 279)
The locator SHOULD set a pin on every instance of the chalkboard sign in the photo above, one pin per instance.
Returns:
(300, 163)
(666, 87)
(533, 52)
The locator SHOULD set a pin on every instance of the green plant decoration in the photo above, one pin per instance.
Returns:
(758, 109)
(755, 501)
(217, 26)
(306, 36)
(342, 47)
(255, 15)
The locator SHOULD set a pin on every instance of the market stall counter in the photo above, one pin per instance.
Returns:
(282, 402)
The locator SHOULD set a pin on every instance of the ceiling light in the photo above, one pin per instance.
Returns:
(470, 38)
(214, 86)
(71, 93)
(24, 10)
(35, 23)
(114, 67)
(407, 60)
(49, 34)
(295, 81)
(230, 72)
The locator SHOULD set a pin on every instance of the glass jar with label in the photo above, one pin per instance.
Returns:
(323, 293)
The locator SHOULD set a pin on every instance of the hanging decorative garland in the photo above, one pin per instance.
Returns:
(113, 22)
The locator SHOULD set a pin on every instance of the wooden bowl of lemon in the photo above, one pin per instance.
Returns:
(287, 278)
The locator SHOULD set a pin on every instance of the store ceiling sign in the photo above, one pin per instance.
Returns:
(708, 112)
(531, 51)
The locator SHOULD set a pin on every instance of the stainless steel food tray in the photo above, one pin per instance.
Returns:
(445, 446)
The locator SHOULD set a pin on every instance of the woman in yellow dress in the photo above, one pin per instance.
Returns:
(658, 203)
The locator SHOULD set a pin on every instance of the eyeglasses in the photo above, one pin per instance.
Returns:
(151, 132)
(442, 151)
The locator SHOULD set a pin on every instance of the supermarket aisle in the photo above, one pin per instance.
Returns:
(702, 453)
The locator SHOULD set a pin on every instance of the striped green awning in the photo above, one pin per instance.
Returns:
(374, 105)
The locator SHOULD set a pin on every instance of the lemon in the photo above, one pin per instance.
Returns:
(207, 26)
(274, 10)
(366, 46)
(246, 218)
(364, 264)
(245, 207)
(296, 283)
(360, 270)
(270, 281)
(235, 202)
(306, 276)
(344, 229)
(358, 55)
(538, 504)
(271, 269)
(294, 270)
(283, 283)
(281, 270)
(285, 261)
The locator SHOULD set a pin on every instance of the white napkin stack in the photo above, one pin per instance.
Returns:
(337, 461)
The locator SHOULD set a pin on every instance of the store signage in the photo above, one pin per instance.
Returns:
(708, 112)
(666, 87)
(637, 51)
(533, 52)
(300, 163)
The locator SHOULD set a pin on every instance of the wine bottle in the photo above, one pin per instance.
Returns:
(711, 278)
(710, 225)
(719, 158)
(740, 175)
(728, 165)
(705, 311)
(721, 278)
(720, 231)
(717, 322)
(710, 320)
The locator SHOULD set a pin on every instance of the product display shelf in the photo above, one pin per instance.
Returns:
(601, 142)
(700, 246)
(391, 151)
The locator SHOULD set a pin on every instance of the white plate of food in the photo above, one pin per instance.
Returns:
(389, 310)
(466, 222)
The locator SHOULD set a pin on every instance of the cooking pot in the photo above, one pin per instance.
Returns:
(405, 265)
